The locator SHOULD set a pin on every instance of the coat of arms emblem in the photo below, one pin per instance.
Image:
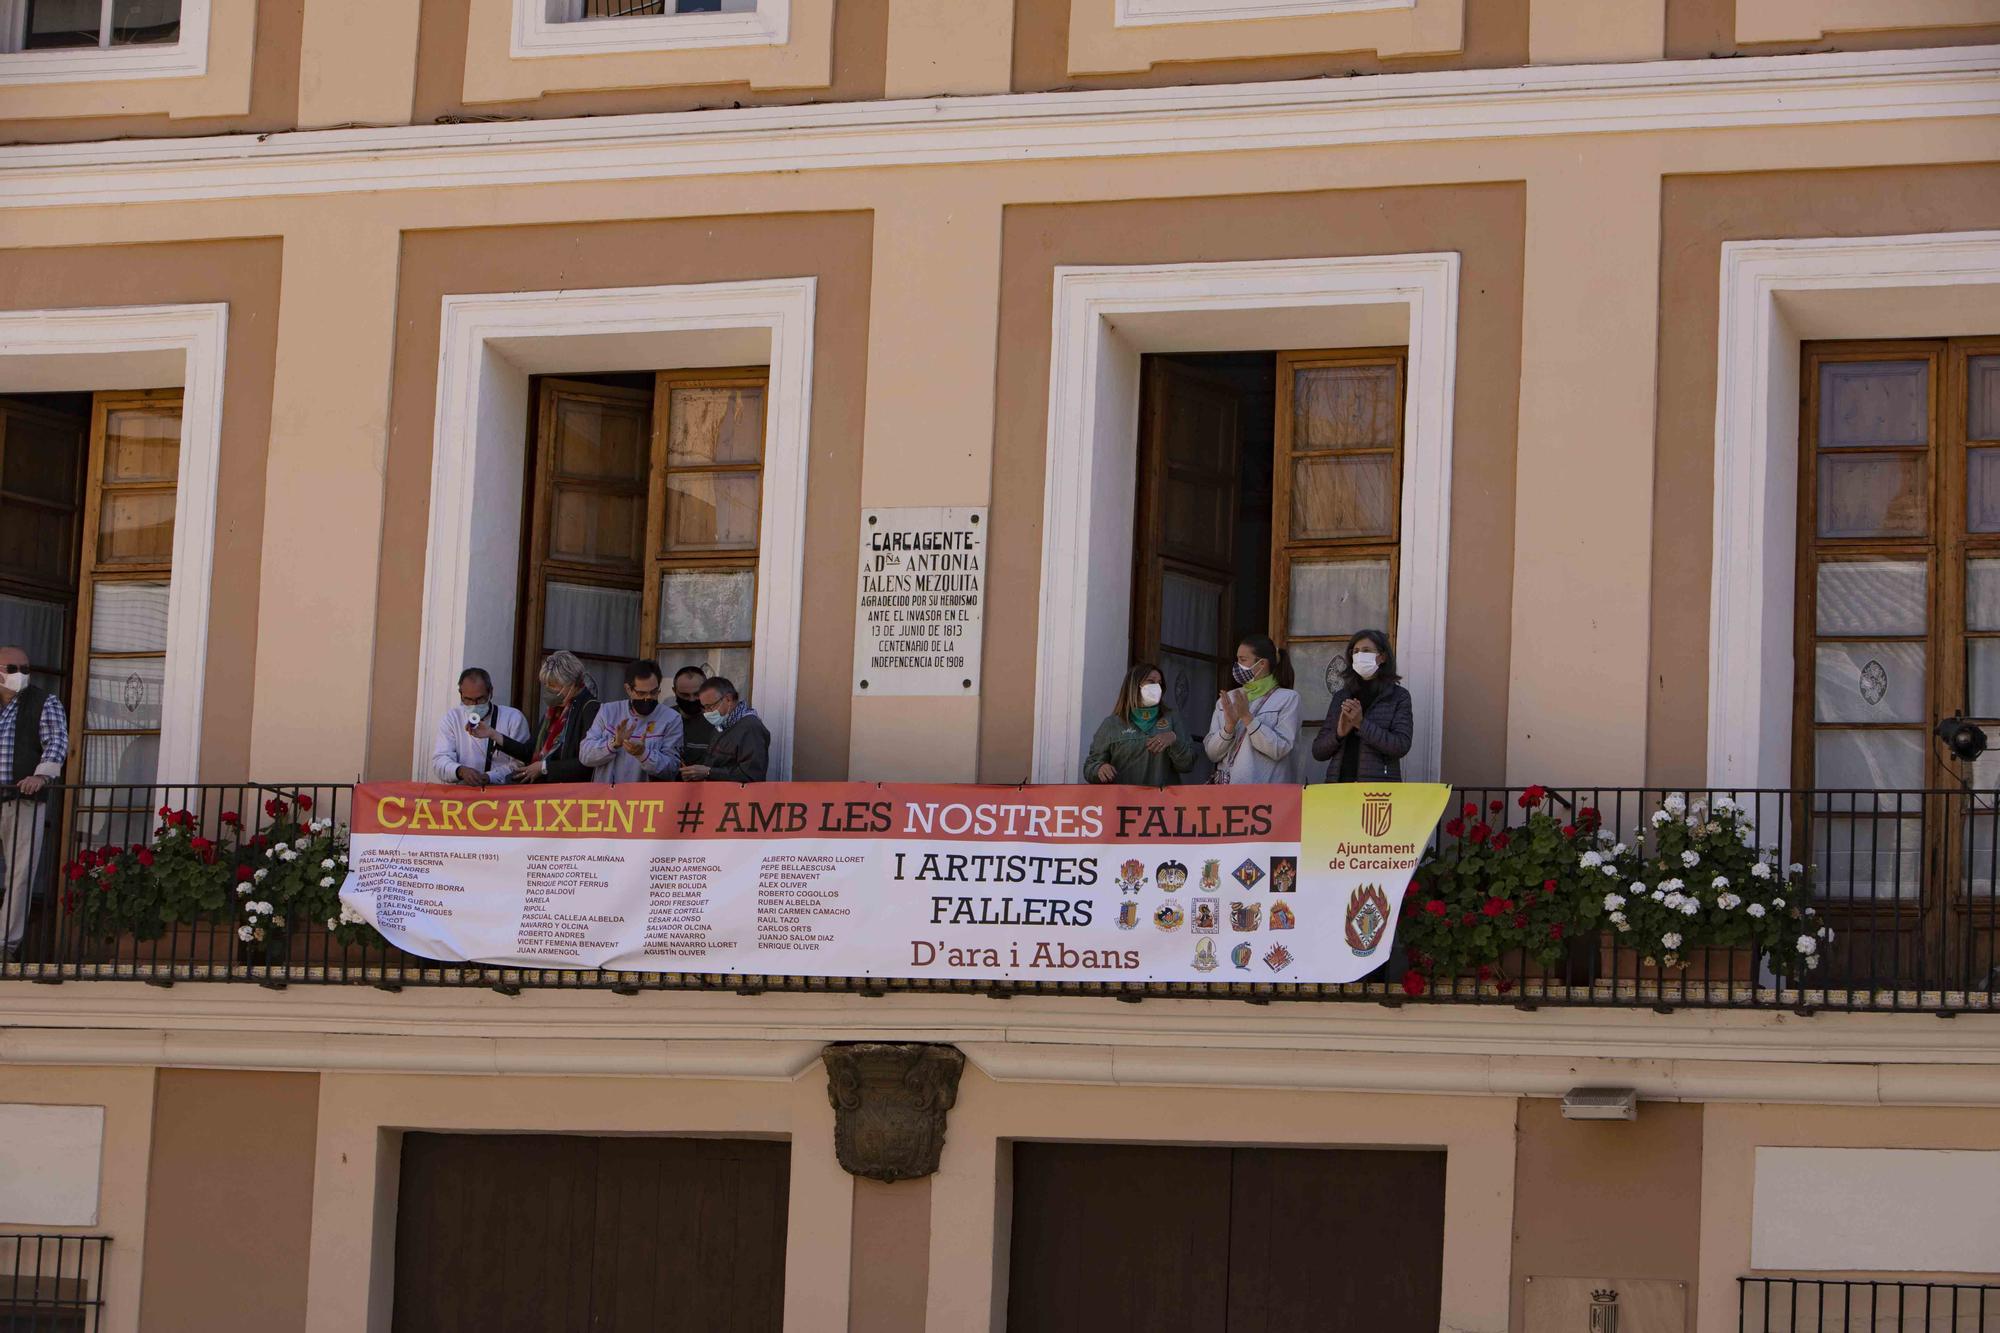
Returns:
(1367, 918)
(1375, 813)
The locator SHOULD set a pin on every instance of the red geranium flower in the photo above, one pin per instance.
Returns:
(1469, 919)
(259, 840)
(1555, 930)
(1413, 984)
(76, 870)
(1500, 841)
(1588, 816)
(1485, 972)
(165, 811)
(243, 873)
(1505, 985)
(1470, 810)
(1496, 906)
(145, 856)
(1533, 797)
(1548, 886)
(1495, 807)
(275, 808)
(1436, 907)
(200, 844)
(106, 873)
(303, 802)
(231, 818)
(1454, 828)
(1569, 830)
(1480, 832)
(1520, 920)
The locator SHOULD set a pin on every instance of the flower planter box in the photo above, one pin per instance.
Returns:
(1616, 962)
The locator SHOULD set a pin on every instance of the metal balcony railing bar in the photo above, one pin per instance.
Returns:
(55, 1282)
(1906, 879)
(1865, 1305)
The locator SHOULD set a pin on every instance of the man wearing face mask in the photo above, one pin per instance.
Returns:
(695, 731)
(34, 743)
(1369, 724)
(634, 739)
(457, 755)
(1142, 743)
(741, 751)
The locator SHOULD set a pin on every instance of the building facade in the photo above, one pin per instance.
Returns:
(1632, 363)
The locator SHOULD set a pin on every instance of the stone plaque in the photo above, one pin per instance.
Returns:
(921, 604)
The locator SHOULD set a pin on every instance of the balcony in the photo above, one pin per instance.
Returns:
(1903, 911)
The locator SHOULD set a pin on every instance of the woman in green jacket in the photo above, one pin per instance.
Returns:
(1141, 744)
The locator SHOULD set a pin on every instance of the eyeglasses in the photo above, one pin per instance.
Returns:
(13, 666)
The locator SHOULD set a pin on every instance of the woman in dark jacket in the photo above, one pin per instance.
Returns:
(1142, 743)
(1368, 725)
(552, 756)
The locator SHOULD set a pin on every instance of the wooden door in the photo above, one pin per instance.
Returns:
(1190, 441)
(559, 1233)
(1115, 1237)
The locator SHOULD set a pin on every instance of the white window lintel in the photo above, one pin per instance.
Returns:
(184, 58)
(535, 35)
(1146, 13)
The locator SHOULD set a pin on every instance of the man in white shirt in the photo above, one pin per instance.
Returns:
(634, 739)
(461, 757)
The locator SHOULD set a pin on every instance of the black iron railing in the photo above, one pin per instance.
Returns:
(51, 1283)
(1894, 899)
(1864, 1305)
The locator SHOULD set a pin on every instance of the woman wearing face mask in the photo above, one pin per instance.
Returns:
(555, 753)
(1256, 724)
(1368, 725)
(1142, 743)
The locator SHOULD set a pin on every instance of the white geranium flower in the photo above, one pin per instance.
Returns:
(1777, 902)
(1590, 860)
(1658, 895)
(1724, 805)
(1675, 803)
(303, 843)
(1613, 901)
(245, 934)
(261, 872)
(1673, 885)
(1762, 870)
(1807, 944)
(1639, 887)
(1811, 963)
(243, 890)
(265, 909)
(1611, 870)
(1618, 920)
(326, 864)
(1719, 882)
(1796, 868)
(1671, 940)
(1755, 909)
(1690, 858)
(333, 923)
(326, 881)
(1690, 906)
(1729, 902)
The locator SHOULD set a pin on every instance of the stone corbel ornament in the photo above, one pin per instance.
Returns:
(889, 1103)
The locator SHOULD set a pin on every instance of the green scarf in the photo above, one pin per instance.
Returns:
(1143, 718)
(1257, 688)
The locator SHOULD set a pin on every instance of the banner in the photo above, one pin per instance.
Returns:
(1111, 884)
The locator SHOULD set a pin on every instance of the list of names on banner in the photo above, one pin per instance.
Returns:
(806, 879)
(920, 605)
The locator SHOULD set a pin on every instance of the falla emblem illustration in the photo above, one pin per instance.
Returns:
(1128, 915)
(1131, 876)
(1277, 958)
(1376, 813)
(1170, 876)
(1282, 917)
(1211, 875)
(1241, 956)
(1204, 956)
(1367, 918)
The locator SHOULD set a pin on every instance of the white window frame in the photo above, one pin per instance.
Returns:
(149, 347)
(536, 35)
(489, 346)
(1775, 295)
(1104, 320)
(1148, 13)
(186, 57)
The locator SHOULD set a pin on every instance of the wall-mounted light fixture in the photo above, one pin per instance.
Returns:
(1601, 1104)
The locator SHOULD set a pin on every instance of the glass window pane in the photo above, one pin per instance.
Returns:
(36, 627)
(121, 759)
(1982, 398)
(1886, 760)
(1982, 594)
(1344, 407)
(591, 621)
(1196, 519)
(565, 10)
(1311, 660)
(1982, 673)
(1867, 857)
(53, 23)
(44, 458)
(732, 664)
(1874, 403)
(1344, 497)
(135, 526)
(36, 544)
(142, 444)
(128, 618)
(1330, 597)
(1191, 613)
(1982, 490)
(1872, 597)
(713, 511)
(1868, 682)
(1191, 686)
(599, 440)
(124, 694)
(707, 606)
(1873, 495)
(597, 528)
(715, 425)
(134, 21)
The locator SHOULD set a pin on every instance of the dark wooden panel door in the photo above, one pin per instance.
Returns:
(1116, 1238)
(549, 1233)
(1339, 1240)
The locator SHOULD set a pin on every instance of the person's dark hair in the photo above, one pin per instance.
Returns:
(641, 668)
(694, 671)
(722, 685)
(1280, 660)
(1385, 673)
(478, 674)
(1128, 692)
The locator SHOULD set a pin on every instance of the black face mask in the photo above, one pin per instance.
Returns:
(692, 707)
(644, 707)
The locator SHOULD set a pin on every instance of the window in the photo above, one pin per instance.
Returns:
(645, 526)
(575, 11)
(42, 449)
(609, 27)
(1270, 490)
(45, 25)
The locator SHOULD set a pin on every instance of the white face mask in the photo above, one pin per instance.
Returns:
(1149, 694)
(15, 681)
(1366, 665)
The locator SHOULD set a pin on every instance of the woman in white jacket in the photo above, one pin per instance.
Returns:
(1256, 724)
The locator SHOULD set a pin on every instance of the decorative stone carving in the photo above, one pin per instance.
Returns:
(889, 1103)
